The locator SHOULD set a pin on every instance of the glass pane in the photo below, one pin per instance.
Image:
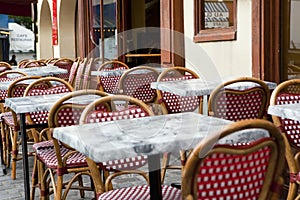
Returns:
(109, 28)
(294, 24)
(218, 14)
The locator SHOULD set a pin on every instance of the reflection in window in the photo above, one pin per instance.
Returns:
(216, 14)
(294, 24)
(109, 28)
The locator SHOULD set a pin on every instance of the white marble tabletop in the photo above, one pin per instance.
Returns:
(43, 102)
(198, 87)
(143, 136)
(48, 70)
(5, 85)
(288, 111)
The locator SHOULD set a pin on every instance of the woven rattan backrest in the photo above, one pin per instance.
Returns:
(232, 102)
(172, 103)
(66, 113)
(45, 86)
(110, 84)
(235, 171)
(136, 82)
(79, 74)
(64, 63)
(120, 107)
(285, 93)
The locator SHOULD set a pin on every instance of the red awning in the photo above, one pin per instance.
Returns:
(16, 7)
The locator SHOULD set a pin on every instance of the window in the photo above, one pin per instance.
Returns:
(215, 20)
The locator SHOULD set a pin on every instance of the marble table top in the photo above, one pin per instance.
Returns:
(289, 111)
(198, 87)
(43, 102)
(48, 70)
(143, 136)
(5, 85)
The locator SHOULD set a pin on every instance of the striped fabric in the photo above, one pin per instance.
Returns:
(140, 193)
(215, 7)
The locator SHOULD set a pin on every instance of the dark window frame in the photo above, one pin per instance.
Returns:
(217, 34)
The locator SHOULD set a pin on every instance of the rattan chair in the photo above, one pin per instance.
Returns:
(171, 103)
(110, 84)
(4, 66)
(119, 105)
(64, 63)
(73, 72)
(250, 170)
(79, 74)
(34, 63)
(23, 62)
(56, 160)
(233, 101)
(10, 125)
(86, 81)
(136, 82)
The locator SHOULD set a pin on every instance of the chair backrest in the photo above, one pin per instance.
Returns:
(45, 86)
(86, 81)
(34, 63)
(23, 62)
(51, 60)
(172, 103)
(73, 72)
(136, 82)
(4, 66)
(66, 112)
(236, 171)
(239, 99)
(79, 74)
(64, 63)
(110, 84)
(285, 93)
(118, 106)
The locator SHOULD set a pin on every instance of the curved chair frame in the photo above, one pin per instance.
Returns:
(34, 63)
(62, 166)
(4, 66)
(275, 167)
(140, 84)
(64, 63)
(220, 90)
(167, 72)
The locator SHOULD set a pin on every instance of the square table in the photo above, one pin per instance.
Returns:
(48, 70)
(289, 111)
(27, 104)
(149, 136)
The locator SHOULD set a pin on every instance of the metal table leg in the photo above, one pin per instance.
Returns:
(25, 156)
(154, 177)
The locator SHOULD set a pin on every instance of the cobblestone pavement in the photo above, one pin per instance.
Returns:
(14, 189)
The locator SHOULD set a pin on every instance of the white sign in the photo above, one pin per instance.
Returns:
(20, 38)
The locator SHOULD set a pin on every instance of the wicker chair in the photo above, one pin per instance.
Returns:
(23, 62)
(34, 63)
(136, 82)
(86, 81)
(79, 74)
(10, 124)
(4, 66)
(119, 105)
(171, 103)
(227, 101)
(110, 84)
(73, 72)
(64, 63)
(248, 170)
(59, 160)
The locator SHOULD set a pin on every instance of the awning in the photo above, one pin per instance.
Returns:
(16, 7)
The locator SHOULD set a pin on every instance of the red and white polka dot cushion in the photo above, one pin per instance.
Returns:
(288, 126)
(140, 193)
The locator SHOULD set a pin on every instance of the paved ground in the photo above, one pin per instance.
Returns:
(14, 189)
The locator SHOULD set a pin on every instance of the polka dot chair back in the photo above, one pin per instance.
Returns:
(236, 171)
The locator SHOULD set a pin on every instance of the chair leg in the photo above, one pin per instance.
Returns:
(34, 179)
(14, 154)
(59, 188)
